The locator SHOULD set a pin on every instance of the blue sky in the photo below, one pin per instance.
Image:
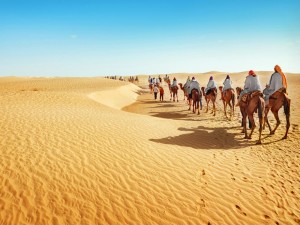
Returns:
(98, 38)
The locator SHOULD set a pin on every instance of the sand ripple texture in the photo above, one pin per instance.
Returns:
(69, 155)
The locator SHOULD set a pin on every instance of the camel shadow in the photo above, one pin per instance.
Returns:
(206, 138)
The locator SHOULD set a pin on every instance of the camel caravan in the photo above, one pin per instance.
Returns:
(251, 99)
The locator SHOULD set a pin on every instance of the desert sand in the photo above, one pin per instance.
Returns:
(101, 151)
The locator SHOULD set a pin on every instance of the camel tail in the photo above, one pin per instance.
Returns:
(286, 105)
(261, 108)
(233, 99)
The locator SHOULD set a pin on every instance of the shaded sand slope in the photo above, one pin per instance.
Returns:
(70, 156)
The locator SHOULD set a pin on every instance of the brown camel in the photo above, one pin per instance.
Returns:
(174, 92)
(197, 100)
(136, 80)
(184, 91)
(228, 98)
(276, 101)
(151, 88)
(211, 96)
(250, 103)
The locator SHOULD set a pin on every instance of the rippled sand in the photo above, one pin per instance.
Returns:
(69, 154)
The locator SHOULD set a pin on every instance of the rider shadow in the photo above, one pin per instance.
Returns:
(170, 115)
(163, 105)
(205, 138)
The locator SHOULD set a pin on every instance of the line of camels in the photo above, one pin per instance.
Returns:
(251, 103)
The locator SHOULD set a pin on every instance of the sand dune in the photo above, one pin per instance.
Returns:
(70, 155)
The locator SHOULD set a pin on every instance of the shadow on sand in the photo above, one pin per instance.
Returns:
(206, 138)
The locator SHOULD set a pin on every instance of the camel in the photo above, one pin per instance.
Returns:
(242, 105)
(276, 101)
(197, 98)
(250, 103)
(211, 96)
(228, 98)
(185, 94)
(151, 88)
(174, 92)
(136, 80)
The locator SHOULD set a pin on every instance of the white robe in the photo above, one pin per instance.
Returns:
(194, 85)
(211, 84)
(275, 84)
(251, 84)
(174, 83)
(227, 84)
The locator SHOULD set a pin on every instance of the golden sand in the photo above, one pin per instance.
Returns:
(70, 155)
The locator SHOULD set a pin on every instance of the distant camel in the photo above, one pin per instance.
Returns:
(174, 92)
(185, 94)
(276, 101)
(197, 100)
(136, 80)
(228, 99)
(151, 88)
(250, 103)
(211, 96)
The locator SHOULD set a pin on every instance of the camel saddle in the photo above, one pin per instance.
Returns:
(246, 97)
(228, 90)
(276, 94)
(211, 90)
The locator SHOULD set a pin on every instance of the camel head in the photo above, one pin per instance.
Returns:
(238, 90)
(203, 90)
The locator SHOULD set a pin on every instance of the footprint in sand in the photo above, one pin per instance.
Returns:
(264, 190)
(295, 128)
(199, 175)
(245, 179)
(200, 204)
(232, 178)
(239, 208)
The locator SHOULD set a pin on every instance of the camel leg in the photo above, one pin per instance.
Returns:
(267, 120)
(201, 103)
(190, 103)
(277, 121)
(287, 116)
(231, 110)
(251, 119)
(194, 107)
(287, 125)
(244, 126)
(224, 104)
(177, 96)
(260, 129)
(207, 106)
(214, 108)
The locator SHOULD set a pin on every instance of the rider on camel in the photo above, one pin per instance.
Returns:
(252, 83)
(210, 85)
(277, 81)
(174, 84)
(227, 85)
(194, 84)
